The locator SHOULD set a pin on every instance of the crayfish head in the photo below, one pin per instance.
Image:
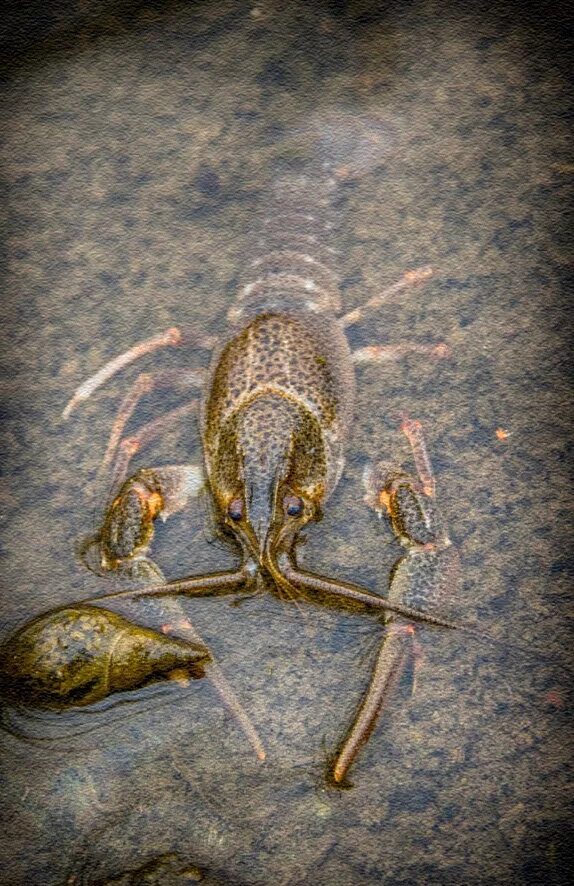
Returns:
(268, 505)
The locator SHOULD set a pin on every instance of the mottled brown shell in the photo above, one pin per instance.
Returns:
(299, 369)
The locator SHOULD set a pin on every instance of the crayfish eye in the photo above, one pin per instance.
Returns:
(293, 505)
(235, 509)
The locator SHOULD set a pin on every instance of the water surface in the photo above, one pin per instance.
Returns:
(136, 153)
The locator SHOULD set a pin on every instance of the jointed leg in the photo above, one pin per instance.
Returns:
(143, 385)
(393, 353)
(128, 447)
(125, 538)
(393, 655)
(182, 626)
(172, 337)
(413, 431)
(409, 280)
(425, 574)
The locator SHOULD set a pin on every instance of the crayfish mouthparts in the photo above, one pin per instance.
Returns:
(271, 563)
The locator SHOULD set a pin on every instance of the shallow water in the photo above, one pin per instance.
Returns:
(136, 151)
